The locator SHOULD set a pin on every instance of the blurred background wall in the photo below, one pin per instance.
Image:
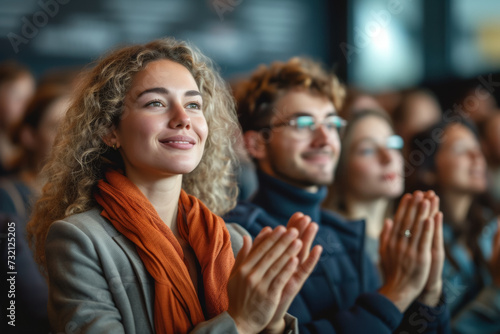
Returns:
(376, 45)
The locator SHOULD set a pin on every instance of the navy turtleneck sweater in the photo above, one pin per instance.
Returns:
(281, 200)
(340, 295)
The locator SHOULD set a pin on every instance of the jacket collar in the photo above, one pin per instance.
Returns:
(281, 200)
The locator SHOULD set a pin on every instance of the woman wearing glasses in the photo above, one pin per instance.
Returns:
(126, 245)
(369, 174)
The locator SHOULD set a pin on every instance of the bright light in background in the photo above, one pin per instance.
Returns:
(382, 41)
(388, 51)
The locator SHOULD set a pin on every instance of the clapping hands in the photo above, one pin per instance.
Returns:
(412, 251)
(269, 273)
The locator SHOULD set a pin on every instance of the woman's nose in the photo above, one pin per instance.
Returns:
(179, 118)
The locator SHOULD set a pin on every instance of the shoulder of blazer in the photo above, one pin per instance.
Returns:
(107, 239)
(91, 222)
(237, 232)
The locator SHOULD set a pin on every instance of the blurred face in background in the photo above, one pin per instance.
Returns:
(478, 105)
(374, 164)
(491, 139)
(48, 127)
(460, 164)
(14, 96)
(358, 103)
(421, 112)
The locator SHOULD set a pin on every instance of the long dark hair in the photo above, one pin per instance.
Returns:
(482, 208)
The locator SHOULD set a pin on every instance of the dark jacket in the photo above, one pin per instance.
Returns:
(340, 295)
(29, 292)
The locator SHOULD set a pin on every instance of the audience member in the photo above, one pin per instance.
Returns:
(454, 166)
(477, 104)
(490, 144)
(17, 85)
(417, 110)
(35, 136)
(290, 124)
(369, 175)
(125, 244)
(357, 100)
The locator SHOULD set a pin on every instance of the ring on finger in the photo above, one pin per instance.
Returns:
(407, 233)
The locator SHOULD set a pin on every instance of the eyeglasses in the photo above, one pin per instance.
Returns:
(394, 142)
(369, 147)
(306, 125)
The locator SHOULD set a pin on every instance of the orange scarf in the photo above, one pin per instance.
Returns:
(177, 307)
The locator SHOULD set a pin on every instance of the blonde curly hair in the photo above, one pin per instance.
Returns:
(80, 157)
(256, 96)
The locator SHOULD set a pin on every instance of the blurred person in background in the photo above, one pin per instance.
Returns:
(417, 110)
(357, 100)
(389, 100)
(454, 167)
(369, 175)
(477, 104)
(288, 113)
(490, 143)
(35, 136)
(17, 86)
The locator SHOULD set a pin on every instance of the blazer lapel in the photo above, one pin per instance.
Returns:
(146, 282)
(141, 273)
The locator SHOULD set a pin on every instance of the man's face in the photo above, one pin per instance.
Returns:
(304, 158)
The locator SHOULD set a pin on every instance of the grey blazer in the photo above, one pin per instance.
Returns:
(98, 283)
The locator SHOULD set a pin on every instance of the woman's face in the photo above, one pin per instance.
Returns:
(423, 111)
(460, 164)
(374, 161)
(163, 130)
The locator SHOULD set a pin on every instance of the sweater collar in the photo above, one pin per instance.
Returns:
(281, 200)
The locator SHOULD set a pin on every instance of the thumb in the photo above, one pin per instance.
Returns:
(243, 253)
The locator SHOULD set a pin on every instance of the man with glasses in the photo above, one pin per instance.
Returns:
(288, 114)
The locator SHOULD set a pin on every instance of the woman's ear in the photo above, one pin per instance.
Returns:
(111, 138)
(255, 144)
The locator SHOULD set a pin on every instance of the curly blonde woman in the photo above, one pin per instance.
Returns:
(126, 229)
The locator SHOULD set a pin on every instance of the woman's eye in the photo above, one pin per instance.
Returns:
(155, 104)
(193, 105)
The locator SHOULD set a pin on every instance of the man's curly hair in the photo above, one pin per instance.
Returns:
(256, 96)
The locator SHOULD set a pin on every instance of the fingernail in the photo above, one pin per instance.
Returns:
(280, 230)
(293, 232)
